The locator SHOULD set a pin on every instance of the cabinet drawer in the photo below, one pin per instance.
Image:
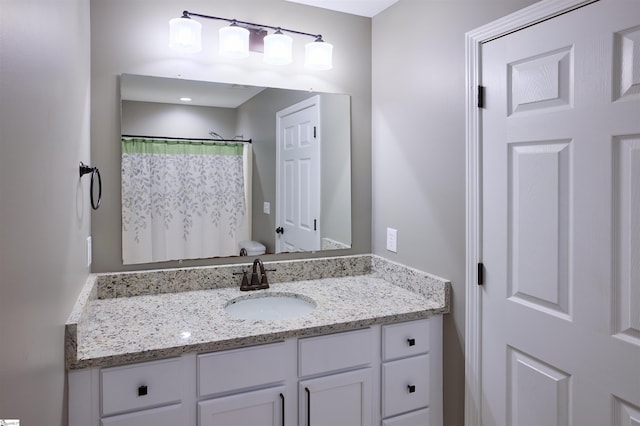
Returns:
(164, 416)
(335, 352)
(242, 368)
(420, 417)
(142, 385)
(405, 385)
(405, 339)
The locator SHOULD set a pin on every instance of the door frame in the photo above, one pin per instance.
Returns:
(538, 12)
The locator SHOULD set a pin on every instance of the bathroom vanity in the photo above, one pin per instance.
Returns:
(159, 348)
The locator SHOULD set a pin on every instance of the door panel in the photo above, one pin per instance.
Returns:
(627, 74)
(627, 230)
(539, 175)
(538, 393)
(561, 234)
(541, 82)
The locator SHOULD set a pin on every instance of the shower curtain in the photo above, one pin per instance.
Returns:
(182, 199)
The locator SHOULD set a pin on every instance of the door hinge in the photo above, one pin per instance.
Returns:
(481, 96)
(480, 273)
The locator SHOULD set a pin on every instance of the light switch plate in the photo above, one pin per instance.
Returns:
(89, 249)
(392, 240)
(266, 207)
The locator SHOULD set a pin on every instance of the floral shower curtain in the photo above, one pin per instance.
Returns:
(181, 199)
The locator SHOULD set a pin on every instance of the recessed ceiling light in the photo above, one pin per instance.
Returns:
(185, 99)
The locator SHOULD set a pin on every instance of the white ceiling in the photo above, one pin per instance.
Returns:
(170, 90)
(369, 8)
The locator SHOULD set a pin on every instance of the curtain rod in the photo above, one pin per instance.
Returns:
(189, 139)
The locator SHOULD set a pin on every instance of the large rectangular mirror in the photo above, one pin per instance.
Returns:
(215, 169)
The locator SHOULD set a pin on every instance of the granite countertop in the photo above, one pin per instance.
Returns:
(151, 324)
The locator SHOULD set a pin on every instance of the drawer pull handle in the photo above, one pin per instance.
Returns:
(282, 399)
(142, 390)
(308, 406)
(412, 388)
(411, 342)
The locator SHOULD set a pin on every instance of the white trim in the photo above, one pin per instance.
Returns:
(526, 17)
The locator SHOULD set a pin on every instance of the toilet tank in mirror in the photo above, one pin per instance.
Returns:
(209, 169)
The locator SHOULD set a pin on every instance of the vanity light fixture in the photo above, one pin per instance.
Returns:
(240, 37)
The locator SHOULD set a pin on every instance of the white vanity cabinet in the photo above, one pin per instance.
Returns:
(382, 375)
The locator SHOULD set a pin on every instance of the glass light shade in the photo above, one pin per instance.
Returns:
(234, 42)
(318, 55)
(185, 35)
(278, 49)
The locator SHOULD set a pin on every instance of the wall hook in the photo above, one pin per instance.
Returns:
(84, 169)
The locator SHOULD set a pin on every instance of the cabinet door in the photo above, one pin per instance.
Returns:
(341, 399)
(258, 408)
(165, 416)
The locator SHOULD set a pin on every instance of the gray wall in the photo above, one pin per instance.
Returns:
(418, 149)
(336, 188)
(128, 36)
(44, 206)
(174, 120)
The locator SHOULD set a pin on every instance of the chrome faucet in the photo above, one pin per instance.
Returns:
(259, 280)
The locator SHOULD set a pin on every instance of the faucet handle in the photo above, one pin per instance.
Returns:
(264, 282)
(244, 286)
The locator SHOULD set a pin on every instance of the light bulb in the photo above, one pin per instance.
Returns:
(278, 49)
(234, 42)
(318, 55)
(185, 35)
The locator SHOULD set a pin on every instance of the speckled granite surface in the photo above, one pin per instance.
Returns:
(131, 317)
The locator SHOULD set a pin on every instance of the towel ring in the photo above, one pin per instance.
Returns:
(84, 169)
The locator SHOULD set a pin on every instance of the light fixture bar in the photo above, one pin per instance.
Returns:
(241, 37)
(187, 14)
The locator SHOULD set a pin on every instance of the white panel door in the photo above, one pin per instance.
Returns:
(298, 176)
(560, 338)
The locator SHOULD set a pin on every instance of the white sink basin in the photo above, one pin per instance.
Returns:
(270, 306)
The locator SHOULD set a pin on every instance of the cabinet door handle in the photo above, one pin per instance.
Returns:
(411, 342)
(282, 399)
(308, 406)
(412, 388)
(142, 390)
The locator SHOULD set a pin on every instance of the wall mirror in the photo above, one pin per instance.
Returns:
(210, 169)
